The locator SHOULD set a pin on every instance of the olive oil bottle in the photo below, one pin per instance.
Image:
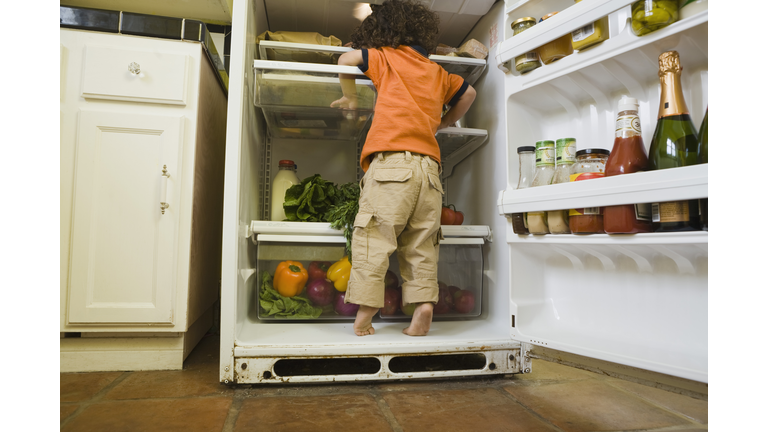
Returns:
(674, 144)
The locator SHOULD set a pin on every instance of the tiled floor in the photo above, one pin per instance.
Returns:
(551, 398)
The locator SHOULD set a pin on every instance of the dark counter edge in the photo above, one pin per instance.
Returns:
(135, 24)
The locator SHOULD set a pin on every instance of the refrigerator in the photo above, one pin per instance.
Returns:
(637, 300)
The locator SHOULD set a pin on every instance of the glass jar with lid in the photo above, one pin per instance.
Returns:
(527, 156)
(558, 48)
(545, 169)
(651, 15)
(565, 150)
(528, 61)
(590, 164)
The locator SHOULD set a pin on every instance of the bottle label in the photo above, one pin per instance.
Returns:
(585, 211)
(627, 123)
(643, 212)
(674, 211)
(527, 57)
(545, 156)
(583, 33)
(566, 151)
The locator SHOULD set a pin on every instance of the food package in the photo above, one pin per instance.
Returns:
(313, 38)
(473, 48)
(444, 50)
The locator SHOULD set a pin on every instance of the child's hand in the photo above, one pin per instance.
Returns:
(345, 102)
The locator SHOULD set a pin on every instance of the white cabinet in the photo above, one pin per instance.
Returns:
(142, 176)
(126, 166)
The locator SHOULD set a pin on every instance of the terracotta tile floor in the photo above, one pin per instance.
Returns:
(552, 398)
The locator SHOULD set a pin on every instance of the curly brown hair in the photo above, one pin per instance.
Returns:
(398, 22)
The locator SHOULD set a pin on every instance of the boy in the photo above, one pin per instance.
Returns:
(401, 195)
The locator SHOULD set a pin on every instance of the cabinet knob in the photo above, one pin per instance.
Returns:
(134, 68)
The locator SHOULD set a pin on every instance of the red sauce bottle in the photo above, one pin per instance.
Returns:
(628, 156)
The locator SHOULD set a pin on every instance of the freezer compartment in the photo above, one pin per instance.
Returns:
(297, 103)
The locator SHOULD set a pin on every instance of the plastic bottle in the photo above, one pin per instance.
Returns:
(285, 178)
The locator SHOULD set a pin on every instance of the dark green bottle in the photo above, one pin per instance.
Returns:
(674, 144)
(703, 159)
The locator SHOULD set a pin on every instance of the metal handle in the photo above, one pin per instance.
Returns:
(134, 68)
(164, 190)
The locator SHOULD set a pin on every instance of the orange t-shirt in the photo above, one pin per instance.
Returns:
(411, 92)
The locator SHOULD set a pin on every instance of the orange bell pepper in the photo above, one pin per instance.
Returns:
(339, 272)
(290, 278)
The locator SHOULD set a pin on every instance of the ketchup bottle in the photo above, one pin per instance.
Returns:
(628, 156)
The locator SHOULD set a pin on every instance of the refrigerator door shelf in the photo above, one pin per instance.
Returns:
(468, 68)
(687, 36)
(674, 184)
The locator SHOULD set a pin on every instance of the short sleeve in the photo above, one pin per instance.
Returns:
(375, 64)
(456, 88)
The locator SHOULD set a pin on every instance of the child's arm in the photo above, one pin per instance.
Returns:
(459, 109)
(349, 100)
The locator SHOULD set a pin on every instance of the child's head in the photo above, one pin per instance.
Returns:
(398, 22)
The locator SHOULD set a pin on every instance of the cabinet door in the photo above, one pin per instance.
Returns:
(124, 254)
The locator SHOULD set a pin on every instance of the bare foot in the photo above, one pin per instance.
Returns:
(363, 319)
(422, 319)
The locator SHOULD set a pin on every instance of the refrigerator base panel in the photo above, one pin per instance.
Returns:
(380, 367)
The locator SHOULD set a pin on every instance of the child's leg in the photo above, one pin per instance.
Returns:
(363, 319)
(422, 319)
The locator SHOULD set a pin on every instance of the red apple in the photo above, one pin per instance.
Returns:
(464, 301)
(318, 269)
(391, 280)
(391, 301)
(444, 301)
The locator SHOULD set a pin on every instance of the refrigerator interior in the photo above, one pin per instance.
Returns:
(244, 335)
(640, 299)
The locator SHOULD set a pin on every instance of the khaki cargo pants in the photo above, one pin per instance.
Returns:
(400, 206)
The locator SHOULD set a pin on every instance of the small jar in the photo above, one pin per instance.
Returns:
(527, 157)
(528, 61)
(558, 48)
(590, 164)
(651, 15)
(565, 150)
(591, 34)
(545, 169)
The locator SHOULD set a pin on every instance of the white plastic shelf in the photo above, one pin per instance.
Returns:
(673, 184)
(456, 144)
(468, 68)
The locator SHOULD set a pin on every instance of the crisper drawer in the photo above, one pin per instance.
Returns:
(296, 100)
(460, 274)
(132, 75)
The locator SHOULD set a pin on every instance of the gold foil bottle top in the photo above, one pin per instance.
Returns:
(669, 62)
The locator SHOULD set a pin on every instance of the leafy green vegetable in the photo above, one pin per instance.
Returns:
(310, 200)
(272, 303)
(343, 214)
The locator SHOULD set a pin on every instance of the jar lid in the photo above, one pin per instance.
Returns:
(546, 143)
(566, 140)
(518, 21)
(549, 15)
(593, 151)
(526, 149)
(286, 162)
(628, 104)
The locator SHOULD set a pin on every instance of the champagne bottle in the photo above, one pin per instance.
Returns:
(703, 158)
(674, 144)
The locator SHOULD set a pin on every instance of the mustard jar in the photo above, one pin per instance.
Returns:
(591, 34)
(558, 48)
(528, 61)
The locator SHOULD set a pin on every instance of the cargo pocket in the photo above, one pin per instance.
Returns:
(360, 237)
(434, 181)
(384, 174)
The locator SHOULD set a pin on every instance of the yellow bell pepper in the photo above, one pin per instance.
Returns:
(339, 272)
(290, 278)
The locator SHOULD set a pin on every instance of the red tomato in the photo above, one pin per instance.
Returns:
(459, 219)
(447, 217)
